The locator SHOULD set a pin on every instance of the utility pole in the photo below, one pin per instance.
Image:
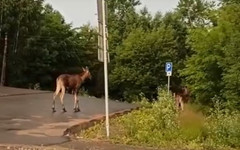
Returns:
(102, 51)
(1, 18)
(4, 61)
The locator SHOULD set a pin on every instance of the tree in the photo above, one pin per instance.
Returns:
(88, 37)
(21, 13)
(43, 51)
(147, 24)
(203, 72)
(213, 68)
(140, 62)
(195, 13)
(173, 19)
(230, 1)
(42, 45)
(229, 25)
(122, 18)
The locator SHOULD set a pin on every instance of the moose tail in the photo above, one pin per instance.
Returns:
(58, 87)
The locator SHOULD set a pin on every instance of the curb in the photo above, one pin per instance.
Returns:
(91, 122)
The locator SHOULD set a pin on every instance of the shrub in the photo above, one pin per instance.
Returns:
(154, 124)
(222, 128)
(159, 124)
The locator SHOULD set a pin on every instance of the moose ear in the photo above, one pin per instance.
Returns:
(83, 69)
(86, 68)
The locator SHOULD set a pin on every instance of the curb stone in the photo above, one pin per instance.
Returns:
(91, 122)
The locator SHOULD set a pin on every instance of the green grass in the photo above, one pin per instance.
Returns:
(159, 124)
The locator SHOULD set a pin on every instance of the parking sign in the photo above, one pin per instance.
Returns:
(168, 68)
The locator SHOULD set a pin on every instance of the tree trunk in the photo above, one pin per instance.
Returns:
(4, 62)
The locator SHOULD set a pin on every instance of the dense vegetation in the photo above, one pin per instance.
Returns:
(201, 38)
(159, 125)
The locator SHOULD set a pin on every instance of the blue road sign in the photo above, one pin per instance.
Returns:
(168, 67)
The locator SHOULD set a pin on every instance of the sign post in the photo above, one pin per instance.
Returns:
(103, 55)
(168, 70)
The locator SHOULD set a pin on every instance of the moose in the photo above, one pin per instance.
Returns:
(181, 95)
(72, 82)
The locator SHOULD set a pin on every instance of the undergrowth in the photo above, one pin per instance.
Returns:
(160, 124)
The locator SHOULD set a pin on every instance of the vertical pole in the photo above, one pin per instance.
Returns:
(4, 62)
(1, 18)
(168, 84)
(105, 66)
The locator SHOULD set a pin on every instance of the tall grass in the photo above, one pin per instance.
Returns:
(159, 124)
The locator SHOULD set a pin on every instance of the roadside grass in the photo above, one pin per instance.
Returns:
(159, 124)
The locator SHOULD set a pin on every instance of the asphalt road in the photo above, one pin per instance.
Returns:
(26, 116)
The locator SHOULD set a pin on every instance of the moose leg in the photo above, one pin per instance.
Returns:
(181, 102)
(53, 106)
(53, 102)
(177, 101)
(76, 102)
(78, 109)
(58, 88)
(61, 98)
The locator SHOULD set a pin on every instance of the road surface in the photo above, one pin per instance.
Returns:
(26, 116)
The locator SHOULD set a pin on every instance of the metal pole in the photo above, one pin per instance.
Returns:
(105, 67)
(168, 84)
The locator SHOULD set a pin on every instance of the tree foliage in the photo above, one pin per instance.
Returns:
(42, 45)
(213, 68)
(201, 39)
(140, 63)
(195, 13)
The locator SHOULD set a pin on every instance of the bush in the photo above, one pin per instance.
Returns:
(222, 128)
(153, 125)
(159, 124)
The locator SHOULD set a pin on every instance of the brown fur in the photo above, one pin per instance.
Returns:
(72, 82)
(182, 96)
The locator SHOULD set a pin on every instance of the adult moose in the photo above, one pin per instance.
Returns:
(72, 82)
